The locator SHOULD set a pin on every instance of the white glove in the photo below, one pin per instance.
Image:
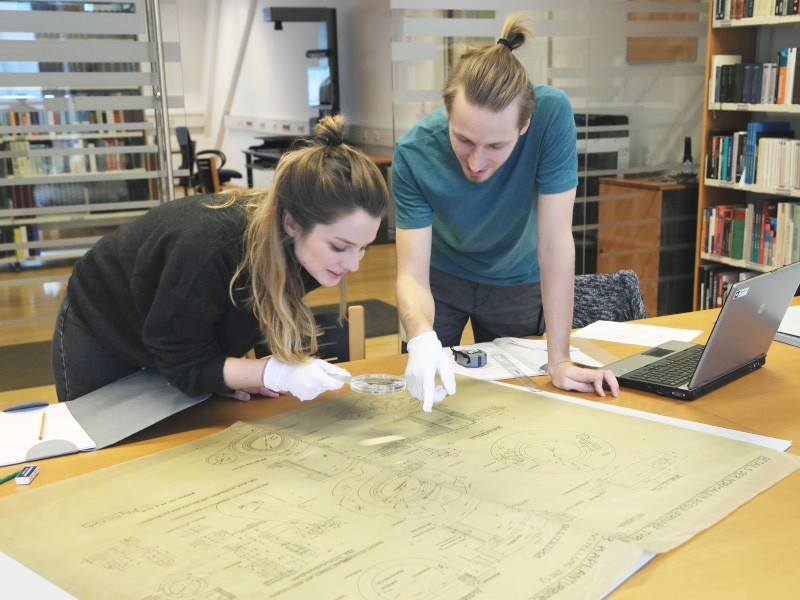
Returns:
(426, 357)
(306, 381)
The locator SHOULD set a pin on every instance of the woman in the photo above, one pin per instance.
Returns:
(191, 286)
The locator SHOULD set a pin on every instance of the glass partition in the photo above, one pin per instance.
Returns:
(87, 93)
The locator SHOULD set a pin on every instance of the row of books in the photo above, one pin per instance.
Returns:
(74, 194)
(714, 282)
(766, 153)
(85, 159)
(89, 67)
(744, 9)
(778, 82)
(764, 231)
(14, 118)
(20, 234)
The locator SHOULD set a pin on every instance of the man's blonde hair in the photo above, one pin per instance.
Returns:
(491, 76)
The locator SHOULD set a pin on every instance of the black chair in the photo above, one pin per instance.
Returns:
(338, 341)
(341, 341)
(207, 174)
(607, 297)
(189, 157)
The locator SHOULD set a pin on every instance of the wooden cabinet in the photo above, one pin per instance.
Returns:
(755, 40)
(649, 225)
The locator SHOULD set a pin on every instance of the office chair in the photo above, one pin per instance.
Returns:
(607, 297)
(189, 161)
(207, 174)
(337, 341)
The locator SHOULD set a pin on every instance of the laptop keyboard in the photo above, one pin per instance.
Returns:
(674, 370)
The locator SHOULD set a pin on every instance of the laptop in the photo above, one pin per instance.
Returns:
(738, 344)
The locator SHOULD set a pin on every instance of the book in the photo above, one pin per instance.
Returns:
(747, 241)
(754, 90)
(735, 93)
(766, 162)
(768, 83)
(737, 232)
(780, 89)
(796, 84)
(766, 232)
(791, 62)
(718, 61)
(738, 154)
(713, 148)
(753, 129)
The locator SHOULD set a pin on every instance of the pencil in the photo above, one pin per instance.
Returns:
(41, 427)
(10, 476)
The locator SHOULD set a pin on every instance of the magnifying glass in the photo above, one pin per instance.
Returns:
(377, 383)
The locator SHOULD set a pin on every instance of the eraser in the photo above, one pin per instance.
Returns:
(27, 475)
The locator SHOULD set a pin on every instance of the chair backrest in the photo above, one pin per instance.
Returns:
(607, 297)
(186, 145)
(207, 174)
(342, 341)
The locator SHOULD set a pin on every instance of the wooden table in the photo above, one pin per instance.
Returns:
(752, 553)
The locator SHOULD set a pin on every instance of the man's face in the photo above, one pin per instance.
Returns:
(482, 140)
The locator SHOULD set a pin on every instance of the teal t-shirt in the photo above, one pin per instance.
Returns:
(485, 232)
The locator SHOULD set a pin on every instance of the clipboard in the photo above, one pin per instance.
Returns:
(94, 421)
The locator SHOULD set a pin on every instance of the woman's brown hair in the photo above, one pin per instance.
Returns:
(318, 183)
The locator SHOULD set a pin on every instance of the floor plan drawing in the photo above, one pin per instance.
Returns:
(496, 493)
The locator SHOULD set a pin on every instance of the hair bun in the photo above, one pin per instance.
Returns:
(330, 130)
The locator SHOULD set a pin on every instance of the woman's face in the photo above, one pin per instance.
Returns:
(329, 251)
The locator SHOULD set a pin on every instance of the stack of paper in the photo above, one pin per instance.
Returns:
(528, 356)
(789, 329)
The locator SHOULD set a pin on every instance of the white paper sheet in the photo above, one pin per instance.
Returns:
(21, 582)
(791, 322)
(529, 356)
(19, 433)
(631, 333)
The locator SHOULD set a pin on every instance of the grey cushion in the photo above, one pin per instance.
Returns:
(607, 297)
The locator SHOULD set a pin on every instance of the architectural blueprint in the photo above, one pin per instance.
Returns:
(498, 493)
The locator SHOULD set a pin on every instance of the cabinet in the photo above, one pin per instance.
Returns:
(84, 142)
(762, 186)
(648, 225)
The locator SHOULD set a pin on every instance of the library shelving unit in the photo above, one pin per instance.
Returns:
(752, 41)
(84, 136)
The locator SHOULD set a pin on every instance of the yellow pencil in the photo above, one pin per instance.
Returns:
(41, 427)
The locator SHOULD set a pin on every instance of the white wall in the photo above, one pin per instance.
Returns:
(271, 86)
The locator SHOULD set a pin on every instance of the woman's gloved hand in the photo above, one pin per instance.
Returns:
(306, 381)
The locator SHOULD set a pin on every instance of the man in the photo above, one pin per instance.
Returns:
(484, 190)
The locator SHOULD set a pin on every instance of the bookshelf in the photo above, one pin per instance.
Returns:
(84, 137)
(749, 180)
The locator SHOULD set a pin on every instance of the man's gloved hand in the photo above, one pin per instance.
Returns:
(426, 357)
(306, 381)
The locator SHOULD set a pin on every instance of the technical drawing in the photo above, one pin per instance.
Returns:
(259, 443)
(553, 452)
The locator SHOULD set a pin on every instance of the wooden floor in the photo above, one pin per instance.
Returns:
(36, 304)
